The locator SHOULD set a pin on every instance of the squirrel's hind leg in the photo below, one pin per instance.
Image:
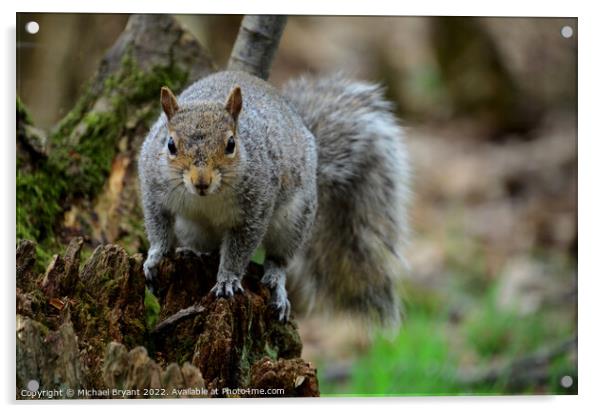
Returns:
(290, 227)
(275, 279)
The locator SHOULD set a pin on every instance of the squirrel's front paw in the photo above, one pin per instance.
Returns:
(151, 268)
(227, 286)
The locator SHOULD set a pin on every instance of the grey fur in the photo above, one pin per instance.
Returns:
(355, 254)
(333, 217)
(271, 196)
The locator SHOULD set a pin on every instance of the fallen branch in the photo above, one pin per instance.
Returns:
(173, 320)
(524, 371)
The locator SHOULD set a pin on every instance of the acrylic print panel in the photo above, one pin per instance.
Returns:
(446, 198)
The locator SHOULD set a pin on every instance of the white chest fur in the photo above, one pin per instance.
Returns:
(217, 211)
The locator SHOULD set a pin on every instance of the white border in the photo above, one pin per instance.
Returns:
(333, 7)
(590, 207)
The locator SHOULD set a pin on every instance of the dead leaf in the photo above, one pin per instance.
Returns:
(57, 303)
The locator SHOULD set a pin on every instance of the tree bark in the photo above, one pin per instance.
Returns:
(256, 44)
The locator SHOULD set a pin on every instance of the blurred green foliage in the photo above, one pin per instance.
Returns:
(151, 308)
(452, 332)
(259, 256)
(492, 332)
(417, 362)
(429, 353)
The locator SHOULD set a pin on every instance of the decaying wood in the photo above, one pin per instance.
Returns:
(51, 357)
(85, 327)
(297, 376)
(256, 44)
(136, 375)
(181, 315)
(229, 336)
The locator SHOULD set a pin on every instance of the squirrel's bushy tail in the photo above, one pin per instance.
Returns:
(355, 253)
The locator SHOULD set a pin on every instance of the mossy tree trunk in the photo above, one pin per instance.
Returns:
(83, 180)
(89, 324)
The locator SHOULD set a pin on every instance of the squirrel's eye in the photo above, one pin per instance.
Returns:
(171, 145)
(230, 146)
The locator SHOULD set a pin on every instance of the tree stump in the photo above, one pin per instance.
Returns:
(86, 329)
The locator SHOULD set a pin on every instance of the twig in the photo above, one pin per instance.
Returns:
(256, 44)
(176, 318)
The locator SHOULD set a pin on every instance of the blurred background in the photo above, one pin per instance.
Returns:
(490, 110)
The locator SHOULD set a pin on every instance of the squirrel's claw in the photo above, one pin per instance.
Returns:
(227, 287)
(275, 281)
(282, 306)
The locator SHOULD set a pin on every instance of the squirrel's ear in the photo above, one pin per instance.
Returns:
(234, 102)
(169, 102)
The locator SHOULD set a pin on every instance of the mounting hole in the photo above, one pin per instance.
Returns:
(566, 32)
(33, 385)
(32, 27)
(566, 382)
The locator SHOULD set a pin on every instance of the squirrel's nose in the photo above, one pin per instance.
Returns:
(202, 185)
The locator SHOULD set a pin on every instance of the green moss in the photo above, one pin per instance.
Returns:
(271, 352)
(37, 195)
(139, 85)
(37, 204)
(284, 341)
(84, 255)
(37, 209)
(22, 113)
(83, 146)
(86, 165)
(185, 350)
(70, 121)
(137, 329)
(151, 308)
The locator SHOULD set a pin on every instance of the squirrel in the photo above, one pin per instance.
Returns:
(316, 173)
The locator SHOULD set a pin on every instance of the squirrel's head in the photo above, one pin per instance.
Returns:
(202, 144)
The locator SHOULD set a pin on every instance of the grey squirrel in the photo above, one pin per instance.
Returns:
(317, 174)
